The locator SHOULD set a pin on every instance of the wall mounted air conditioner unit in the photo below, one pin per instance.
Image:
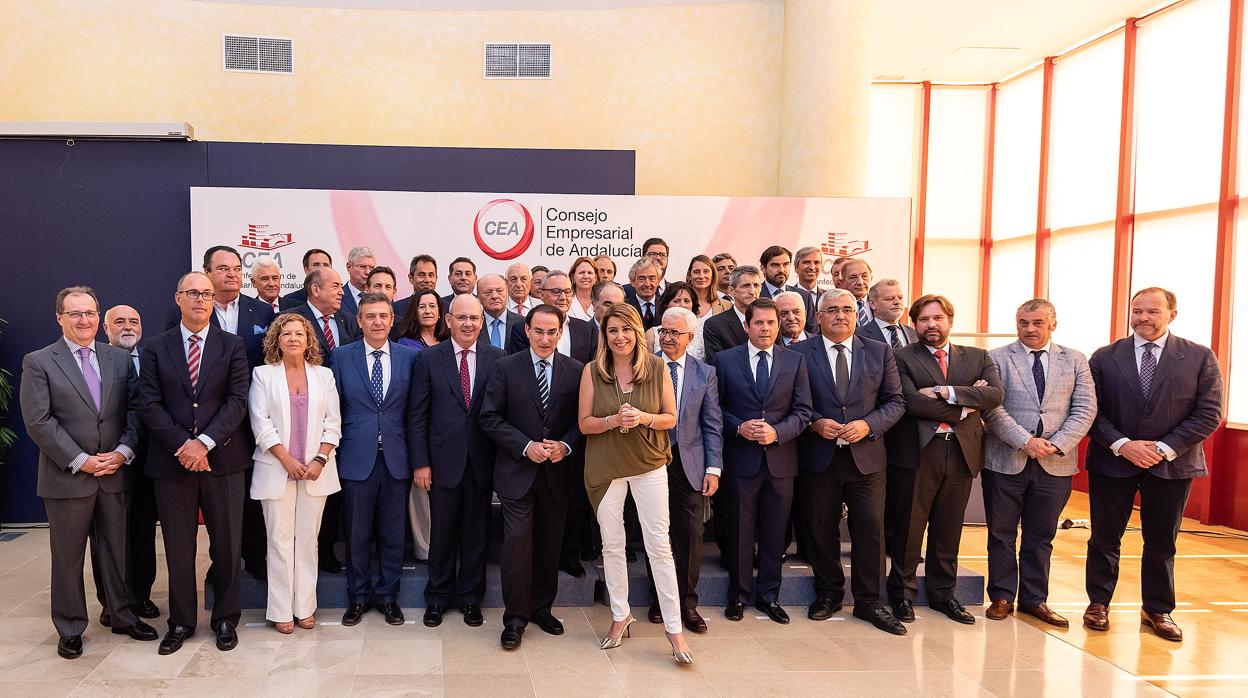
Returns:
(102, 130)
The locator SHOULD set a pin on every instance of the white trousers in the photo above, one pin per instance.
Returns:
(293, 523)
(650, 494)
(418, 514)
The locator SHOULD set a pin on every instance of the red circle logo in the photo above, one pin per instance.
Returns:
(503, 229)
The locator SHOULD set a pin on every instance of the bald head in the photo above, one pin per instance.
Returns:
(492, 292)
(123, 327)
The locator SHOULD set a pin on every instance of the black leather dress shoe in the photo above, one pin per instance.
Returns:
(139, 631)
(472, 615)
(392, 612)
(330, 565)
(904, 611)
(227, 637)
(955, 611)
(773, 611)
(433, 616)
(630, 556)
(146, 609)
(511, 637)
(106, 619)
(822, 609)
(70, 646)
(655, 614)
(574, 568)
(548, 623)
(735, 610)
(694, 621)
(354, 613)
(880, 618)
(258, 569)
(591, 554)
(174, 638)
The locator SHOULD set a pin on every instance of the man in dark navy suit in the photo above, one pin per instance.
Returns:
(529, 410)
(374, 377)
(247, 318)
(454, 459)
(360, 263)
(727, 329)
(1159, 397)
(888, 304)
(765, 393)
(655, 250)
(193, 399)
(642, 292)
(312, 259)
(856, 394)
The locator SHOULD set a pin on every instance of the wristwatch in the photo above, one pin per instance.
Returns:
(324, 459)
(940, 391)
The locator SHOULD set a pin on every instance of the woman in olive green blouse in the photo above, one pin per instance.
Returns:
(627, 406)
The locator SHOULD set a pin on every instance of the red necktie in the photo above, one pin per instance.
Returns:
(465, 384)
(192, 361)
(329, 334)
(520, 309)
(944, 371)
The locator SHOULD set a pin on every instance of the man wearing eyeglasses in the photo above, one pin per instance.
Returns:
(454, 458)
(193, 384)
(77, 398)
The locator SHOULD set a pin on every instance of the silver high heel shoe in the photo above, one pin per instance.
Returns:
(681, 657)
(610, 643)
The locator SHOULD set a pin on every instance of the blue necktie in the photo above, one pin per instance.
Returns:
(671, 366)
(1037, 374)
(761, 375)
(863, 317)
(376, 376)
(1148, 366)
(496, 335)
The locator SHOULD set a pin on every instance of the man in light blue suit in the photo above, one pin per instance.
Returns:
(697, 459)
(1031, 453)
(373, 377)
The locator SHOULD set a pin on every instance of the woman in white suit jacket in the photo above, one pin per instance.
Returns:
(297, 422)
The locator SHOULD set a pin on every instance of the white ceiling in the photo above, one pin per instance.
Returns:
(938, 40)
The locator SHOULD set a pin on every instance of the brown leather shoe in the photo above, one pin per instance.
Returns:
(999, 610)
(1163, 626)
(1096, 617)
(1046, 614)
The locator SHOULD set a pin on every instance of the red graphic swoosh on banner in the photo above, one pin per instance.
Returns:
(356, 223)
(748, 223)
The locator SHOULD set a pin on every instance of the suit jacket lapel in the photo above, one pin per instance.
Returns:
(931, 364)
(450, 369)
(1172, 354)
(69, 365)
(1124, 356)
(216, 342)
(858, 363)
(822, 367)
(744, 365)
(1020, 362)
(107, 369)
(484, 362)
(360, 361)
(530, 379)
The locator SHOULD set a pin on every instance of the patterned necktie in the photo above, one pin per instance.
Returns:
(863, 317)
(1148, 366)
(944, 371)
(90, 375)
(520, 309)
(192, 361)
(496, 333)
(842, 373)
(375, 378)
(465, 382)
(893, 337)
(762, 375)
(649, 317)
(671, 366)
(1037, 375)
(329, 334)
(543, 385)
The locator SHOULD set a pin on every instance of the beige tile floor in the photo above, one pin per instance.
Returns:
(753, 658)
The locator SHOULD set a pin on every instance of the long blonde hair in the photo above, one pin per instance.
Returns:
(604, 364)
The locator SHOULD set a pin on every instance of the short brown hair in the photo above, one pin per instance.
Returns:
(63, 293)
(921, 301)
(1172, 302)
(272, 349)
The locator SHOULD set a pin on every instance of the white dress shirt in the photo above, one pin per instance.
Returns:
(830, 347)
(1044, 358)
(369, 360)
(227, 315)
(355, 294)
(901, 334)
(1166, 452)
(529, 302)
(772, 291)
(565, 339)
(771, 359)
(800, 338)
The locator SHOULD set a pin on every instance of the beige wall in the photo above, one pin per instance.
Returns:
(694, 90)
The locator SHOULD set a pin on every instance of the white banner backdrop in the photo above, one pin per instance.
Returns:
(496, 230)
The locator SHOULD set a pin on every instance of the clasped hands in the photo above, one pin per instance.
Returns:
(546, 450)
(1142, 453)
(301, 471)
(830, 429)
(193, 455)
(102, 464)
(758, 431)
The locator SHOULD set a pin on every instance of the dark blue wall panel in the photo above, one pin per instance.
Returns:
(116, 216)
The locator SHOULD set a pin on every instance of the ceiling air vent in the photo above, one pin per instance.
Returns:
(517, 61)
(257, 54)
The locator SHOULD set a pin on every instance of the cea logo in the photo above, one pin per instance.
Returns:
(503, 229)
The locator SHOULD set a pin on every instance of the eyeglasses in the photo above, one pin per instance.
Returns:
(671, 334)
(657, 255)
(557, 291)
(467, 318)
(843, 310)
(199, 295)
(80, 314)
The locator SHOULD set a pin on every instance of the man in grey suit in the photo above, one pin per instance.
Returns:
(79, 407)
(697, 459)
(1031, 453)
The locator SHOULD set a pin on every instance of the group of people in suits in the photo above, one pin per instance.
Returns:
(597, 436)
